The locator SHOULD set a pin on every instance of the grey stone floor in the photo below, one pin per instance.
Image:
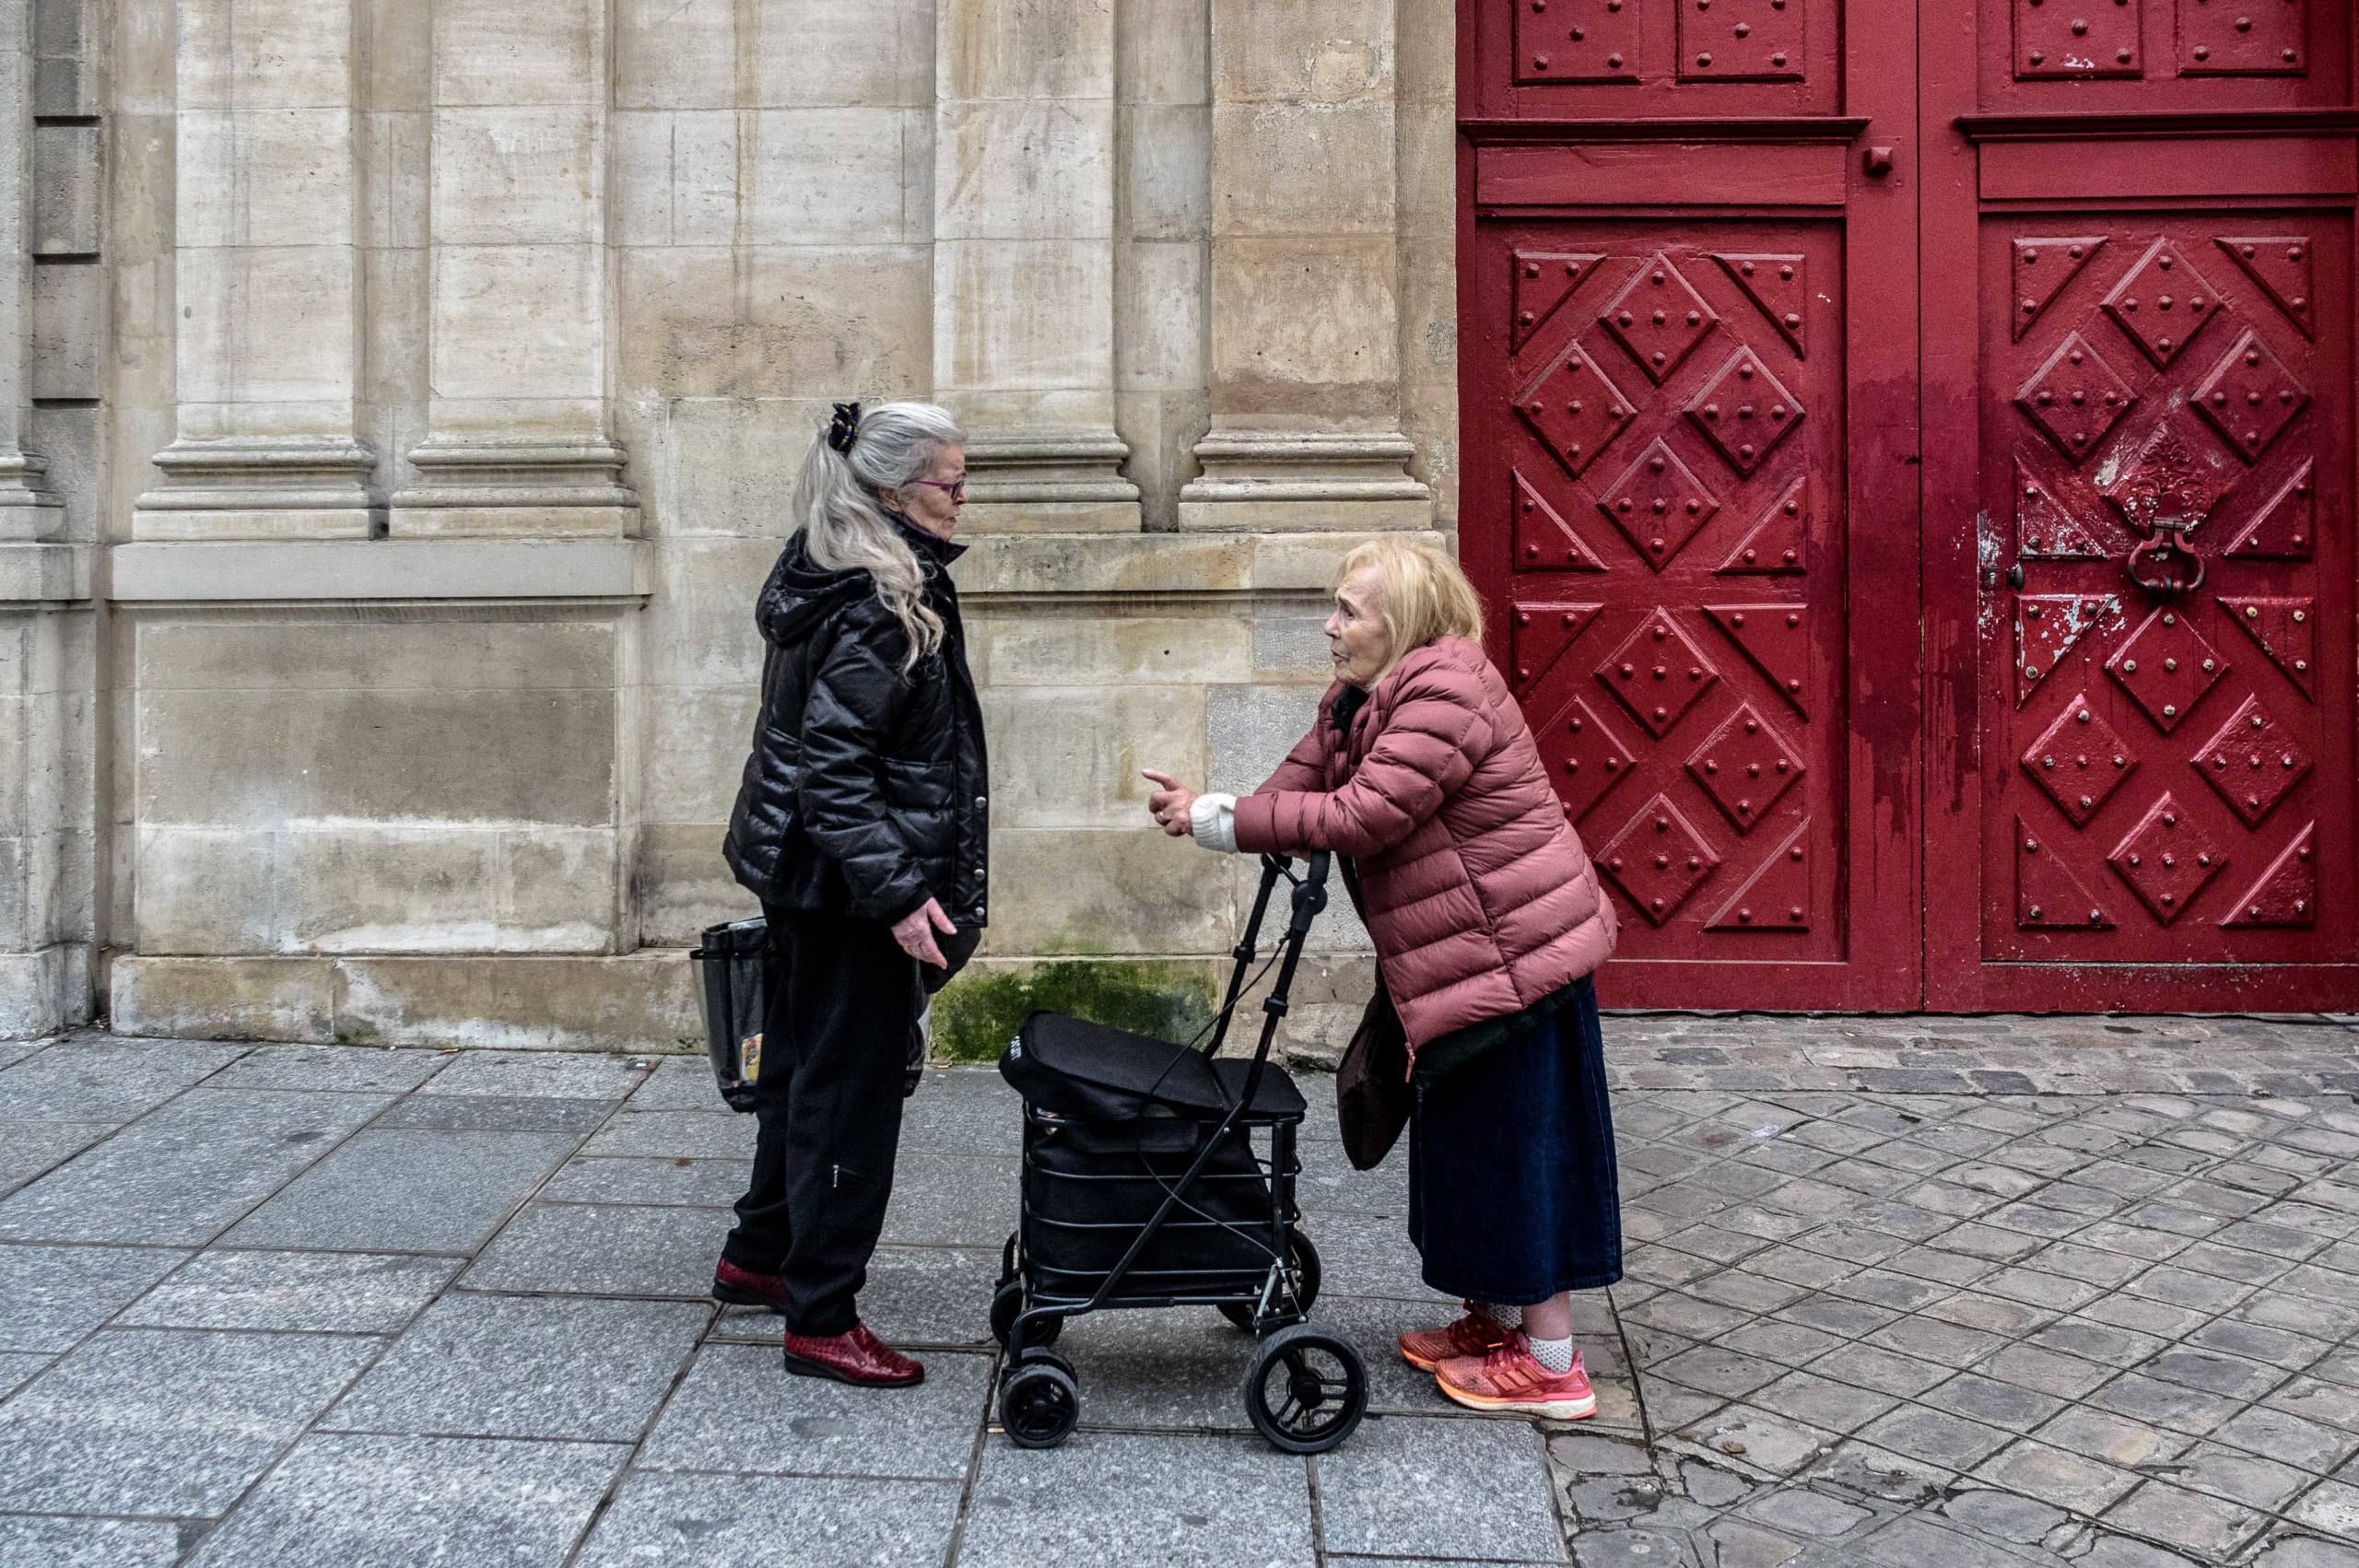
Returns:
(1903, 1293)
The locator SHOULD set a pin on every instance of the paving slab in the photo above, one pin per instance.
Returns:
(715, 1134)
(18, 1368)
(55, 1295)
(37, 1541)
(738, 1411)
(183, 1174)
(333, 1067)
(951, 1200)
(105, 1080)
(565, 1075)
(341, 1293)
(1400, 1485)
(777, 1522)
(525, 1366)
(498, 1113)
(31, 1149)
(1113, 1500)
(402, 1191)
(678, 1084)
(963, 1115)
(376, 1502)
(604, 1249)
(694, 1184)
(165, 1422)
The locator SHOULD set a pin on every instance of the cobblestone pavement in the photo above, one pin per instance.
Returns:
(1903, 1293)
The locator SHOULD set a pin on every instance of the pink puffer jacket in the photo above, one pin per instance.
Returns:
(1476, 891)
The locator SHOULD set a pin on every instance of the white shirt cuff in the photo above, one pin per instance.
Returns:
(1212, 819)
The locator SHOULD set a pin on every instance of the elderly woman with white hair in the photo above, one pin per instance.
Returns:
(1487, 920)
(863, 824)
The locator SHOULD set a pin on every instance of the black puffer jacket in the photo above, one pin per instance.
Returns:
(866, 792)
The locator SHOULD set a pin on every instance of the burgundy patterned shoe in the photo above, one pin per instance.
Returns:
(743, 1287)
(859, 1358)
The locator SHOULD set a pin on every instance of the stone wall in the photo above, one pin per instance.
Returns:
(402, 401)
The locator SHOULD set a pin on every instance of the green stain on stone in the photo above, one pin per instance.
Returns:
(976, 1014)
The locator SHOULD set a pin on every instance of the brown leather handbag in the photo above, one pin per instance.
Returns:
(1372, 1092)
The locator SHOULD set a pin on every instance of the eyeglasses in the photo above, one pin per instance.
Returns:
(957, 488)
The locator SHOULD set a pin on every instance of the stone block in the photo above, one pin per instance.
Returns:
(671, 56)
(1161, 292)
(57, 1296)
(1038, 646)
(167, 1423)
(1067, 152)
(682, 885)
(825, 177)
(67, 181)
(700, 628)
(729, 465)
(1387, 1490)
(675, 178)
(804, 320)
(335, 1293)
(268, 325)
(1162, 428)
(1074, 755)
(734, 1413)
(519, 322)
(264, 54)
(68, 330)
(1252, 728)
(297, 761)
(407, 1191)
(1303, 157)
(833, 1523)
(1106, 1496)
(1322, 343)
(250, 998)
(519, 176)
(521, 1367)
(888, 59)
(255, 177)
(521, 51)
(1105, 891)
(1060, 49)
(525, 1003)
(379, 1500)
(1328, 54)
(1051, 321)
(1162, 52)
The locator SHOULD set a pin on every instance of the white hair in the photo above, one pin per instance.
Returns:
(843, 522)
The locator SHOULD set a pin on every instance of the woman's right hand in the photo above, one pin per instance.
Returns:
(915, 931)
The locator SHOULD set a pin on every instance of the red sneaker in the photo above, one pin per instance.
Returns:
(743, 1287)
(1509, 1379)
(1476, 1334)
(858, 1358)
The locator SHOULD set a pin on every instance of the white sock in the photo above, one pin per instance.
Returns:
(1505, 1317)
(1556, 1355)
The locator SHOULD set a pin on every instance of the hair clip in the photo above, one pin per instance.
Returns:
(843, 431)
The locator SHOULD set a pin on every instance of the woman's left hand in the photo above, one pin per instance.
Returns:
(1172, 806)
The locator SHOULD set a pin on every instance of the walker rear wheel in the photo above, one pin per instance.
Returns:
(1007, 1304)
(1306, 1389)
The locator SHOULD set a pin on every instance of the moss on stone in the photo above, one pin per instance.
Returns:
(976, 1014)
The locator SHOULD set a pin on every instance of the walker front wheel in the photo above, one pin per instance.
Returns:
(1040, 1404)
(1306, 1389)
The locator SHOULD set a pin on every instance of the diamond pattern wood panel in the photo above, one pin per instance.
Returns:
(2162, 381)
(1706, 370)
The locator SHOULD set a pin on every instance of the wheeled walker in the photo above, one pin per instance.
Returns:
(1154, 1175)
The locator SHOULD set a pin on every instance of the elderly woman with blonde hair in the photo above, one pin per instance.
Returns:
(1421, 773)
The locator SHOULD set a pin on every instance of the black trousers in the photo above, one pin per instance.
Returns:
(844, 1000)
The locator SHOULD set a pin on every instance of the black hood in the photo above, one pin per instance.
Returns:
(800, 595)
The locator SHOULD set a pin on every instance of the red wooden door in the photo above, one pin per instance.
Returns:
(1688, 373)
(2138, 336)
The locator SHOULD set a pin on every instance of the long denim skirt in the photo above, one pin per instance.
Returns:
(1513, 1195)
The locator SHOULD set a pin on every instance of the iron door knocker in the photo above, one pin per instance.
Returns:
(2165, 556)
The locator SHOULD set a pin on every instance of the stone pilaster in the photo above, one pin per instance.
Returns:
(518, 440)
(27, 510)
(267, 275)
(1024, 261)
(1306, 372)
